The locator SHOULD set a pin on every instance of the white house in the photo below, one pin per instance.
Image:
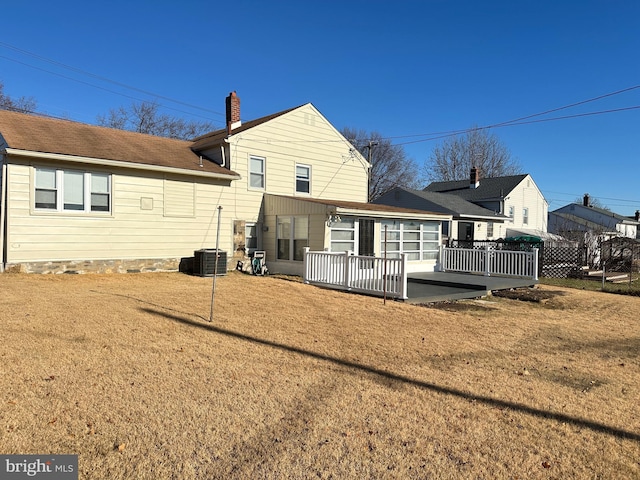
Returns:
(516, 197)
(78, 197)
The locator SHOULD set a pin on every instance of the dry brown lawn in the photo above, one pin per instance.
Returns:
(294, 381)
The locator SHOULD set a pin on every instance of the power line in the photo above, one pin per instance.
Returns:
(431, 136)
(98, 77)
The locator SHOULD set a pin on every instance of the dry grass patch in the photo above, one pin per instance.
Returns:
(293, 381)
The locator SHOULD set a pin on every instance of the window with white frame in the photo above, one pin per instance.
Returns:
(343, 235)
(257, 172)
(525, 216)
(512, 212)
(489, 229)
(303, 179)
(418, 240)
(292, 237)
(72, 190)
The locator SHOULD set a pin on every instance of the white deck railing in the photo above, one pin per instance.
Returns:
(490, 262)
(372, 275)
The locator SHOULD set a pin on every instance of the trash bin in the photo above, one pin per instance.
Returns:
(204, 262)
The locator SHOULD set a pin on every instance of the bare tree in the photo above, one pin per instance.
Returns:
(390, 166)
(144, 117)
(21, 104)
(453, 158)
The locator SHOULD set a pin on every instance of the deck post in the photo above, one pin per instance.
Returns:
(347, 269)
(535, 264)
(487, 270)
(305, 265)
(403, 276)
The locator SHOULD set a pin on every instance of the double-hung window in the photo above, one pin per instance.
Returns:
(525, 216)
(72, 191)
(46, 189)
(303, 179)
(257, 172)
(293, 236)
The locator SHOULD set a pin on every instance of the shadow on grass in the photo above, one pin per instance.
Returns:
(388, 376)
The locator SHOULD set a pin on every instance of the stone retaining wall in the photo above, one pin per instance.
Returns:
(98, 266)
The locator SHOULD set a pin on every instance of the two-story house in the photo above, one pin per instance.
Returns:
(78, 197)
(517, 197)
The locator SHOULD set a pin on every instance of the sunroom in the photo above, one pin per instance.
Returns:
(289, 224)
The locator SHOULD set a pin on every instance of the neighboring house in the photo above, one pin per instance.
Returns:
(469, 220)
(575, 219)
(517, 197)
(78, 197)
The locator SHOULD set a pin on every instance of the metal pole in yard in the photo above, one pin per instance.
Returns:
(384, 268)
(215, 266)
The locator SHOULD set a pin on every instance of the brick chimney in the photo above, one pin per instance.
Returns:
(233, 111)
(586, 201)
(474, 180)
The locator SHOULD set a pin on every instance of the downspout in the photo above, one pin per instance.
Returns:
(3, 216)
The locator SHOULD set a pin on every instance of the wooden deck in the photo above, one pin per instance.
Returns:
(440, 286)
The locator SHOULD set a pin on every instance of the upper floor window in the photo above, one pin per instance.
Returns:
(512, 212)
(303, 179)
(72, 190)
(525, 216)
(256, 172)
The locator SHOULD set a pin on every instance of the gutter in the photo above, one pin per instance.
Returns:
(387, 214)
(119, 164)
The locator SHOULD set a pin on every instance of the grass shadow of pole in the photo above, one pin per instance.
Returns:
(559, 417)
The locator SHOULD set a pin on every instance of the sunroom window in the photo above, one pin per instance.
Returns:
(417, 240)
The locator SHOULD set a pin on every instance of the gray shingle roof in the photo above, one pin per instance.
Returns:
(489, 188)
(438, 202)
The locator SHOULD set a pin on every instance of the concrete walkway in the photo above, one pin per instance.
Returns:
(441, 286)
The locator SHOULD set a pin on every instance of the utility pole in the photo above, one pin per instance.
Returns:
(372, 143)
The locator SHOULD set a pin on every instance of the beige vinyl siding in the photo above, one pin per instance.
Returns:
(128, 232)
(300, 136)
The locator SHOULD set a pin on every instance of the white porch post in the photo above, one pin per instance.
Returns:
(305, 265)
(403, 276)
(535, 264)
(487, 270)
(347, 269)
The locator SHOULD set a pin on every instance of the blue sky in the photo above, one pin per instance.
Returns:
(403, 68)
